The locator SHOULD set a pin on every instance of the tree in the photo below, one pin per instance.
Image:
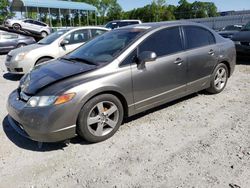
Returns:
(115, 12)
(4, 10)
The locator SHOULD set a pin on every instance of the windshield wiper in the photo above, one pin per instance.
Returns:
(82, 60)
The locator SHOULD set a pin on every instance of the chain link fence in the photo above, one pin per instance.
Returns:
(218, 23)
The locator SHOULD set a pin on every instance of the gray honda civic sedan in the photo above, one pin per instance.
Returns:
(119, 74)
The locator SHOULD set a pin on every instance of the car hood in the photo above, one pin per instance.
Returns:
(26, 49)
(51, 72)
(243, 36)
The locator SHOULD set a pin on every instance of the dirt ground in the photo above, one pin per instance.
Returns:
(199, 141)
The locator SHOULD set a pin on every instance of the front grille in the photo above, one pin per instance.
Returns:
(245, 43)
(19, 69)
(8, 58)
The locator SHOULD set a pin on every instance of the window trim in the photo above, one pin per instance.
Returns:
(185, 37)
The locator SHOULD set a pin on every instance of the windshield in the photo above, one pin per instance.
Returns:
(107, 47)
(52, 37)
(111, 25)
(231, 28)
(246, 27)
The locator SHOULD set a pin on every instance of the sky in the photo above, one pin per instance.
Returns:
(222, 5)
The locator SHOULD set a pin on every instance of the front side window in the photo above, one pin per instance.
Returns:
(105, 48)
(29, 21)
(9, 36)
(78, 36)
(198, 37)
(163, 42)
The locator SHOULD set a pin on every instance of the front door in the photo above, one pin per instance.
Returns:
(75, 39)
(165, 78)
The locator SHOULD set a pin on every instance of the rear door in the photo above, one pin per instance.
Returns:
(165, 78)
(75, 39)
(202, 53)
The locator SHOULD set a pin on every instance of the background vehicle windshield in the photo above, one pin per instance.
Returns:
(246, 27)
(52, 37)
(231, 28)
(105, 48)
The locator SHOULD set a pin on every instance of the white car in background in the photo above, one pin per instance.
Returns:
(30, 25)
(57, 44)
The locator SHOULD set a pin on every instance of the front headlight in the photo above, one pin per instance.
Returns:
(42, 101)
(20, 56)
(237, 42)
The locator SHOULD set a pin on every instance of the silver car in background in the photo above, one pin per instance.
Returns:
(10, 41)
(21, 60)
(119, 74)
(30, 25)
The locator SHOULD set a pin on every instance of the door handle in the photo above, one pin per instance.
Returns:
(178, 61)
(211, 52)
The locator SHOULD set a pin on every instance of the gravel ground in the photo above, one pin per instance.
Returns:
(199, 141)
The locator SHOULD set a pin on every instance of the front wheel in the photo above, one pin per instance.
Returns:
(219, 79)
(100, 118)
(16, 27)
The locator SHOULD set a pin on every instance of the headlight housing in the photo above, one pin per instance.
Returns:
(20, 56)
(42, 101)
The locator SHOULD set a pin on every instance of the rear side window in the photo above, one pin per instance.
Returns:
(163, 42)
(198, 37)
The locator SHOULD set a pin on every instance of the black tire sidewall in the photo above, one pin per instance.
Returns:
(213, 89)
(42, 60)
(82, 128)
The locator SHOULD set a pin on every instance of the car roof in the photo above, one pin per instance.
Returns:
(88, 27)
(155, 25)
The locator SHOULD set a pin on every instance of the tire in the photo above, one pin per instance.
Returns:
(21, 45)
(44, 34)
(219, 79)
(16, 26)
(100, 118)
(42, 60)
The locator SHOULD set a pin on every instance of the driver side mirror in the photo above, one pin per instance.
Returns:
(146, 56)
(64, 42)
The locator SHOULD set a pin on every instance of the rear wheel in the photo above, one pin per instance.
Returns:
(16, 26)
(100, 118)
(44, 34)
(219, 79)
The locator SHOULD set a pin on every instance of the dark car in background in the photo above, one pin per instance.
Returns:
(119, 74)
(10, 41)
(121, 23)
(230, 30)
(242, 40)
